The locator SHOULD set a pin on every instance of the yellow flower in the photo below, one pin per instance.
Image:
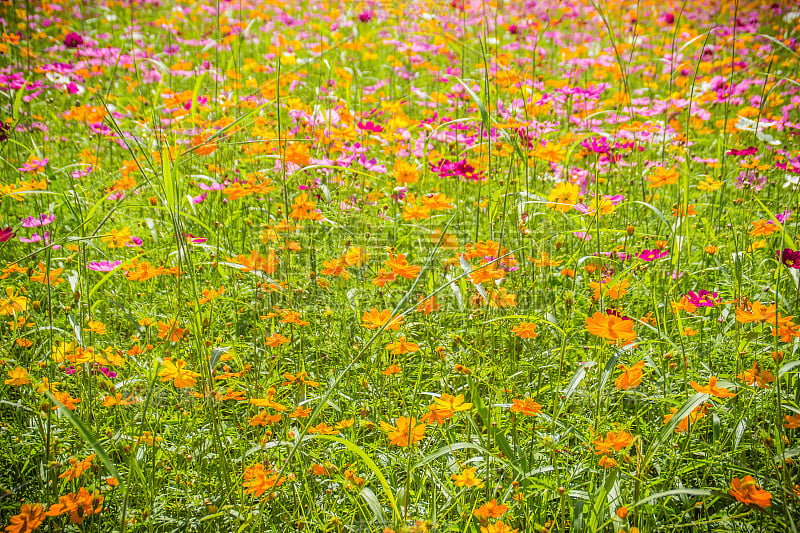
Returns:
(525, 330)
(96, 327)
(401, 346)
(18, 377)
(170, 331)
(405, 432)
(663, 176)
(467, 479)
(451, 403)
(177, 372)
(117, 238)
(14, 304)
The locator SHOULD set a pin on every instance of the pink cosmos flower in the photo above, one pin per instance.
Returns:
(702, 298)
(41, 220)
(104, 266)
(34, 164)
(652, 255)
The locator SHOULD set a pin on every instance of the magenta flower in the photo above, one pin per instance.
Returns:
(82, 173)
(702, 298)
(747, 151)
(370, 126)
(104, 266)
(34, 164)
(73, 40)
(596, 144)
(365, 16)
(45, 238)
(611, 311)
(790, 258)
(7, 234)
(41, 220)
(652, 255)
(460, 169)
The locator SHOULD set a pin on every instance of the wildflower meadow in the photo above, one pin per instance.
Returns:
(429, 266)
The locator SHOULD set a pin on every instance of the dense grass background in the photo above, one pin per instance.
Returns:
(430, 266)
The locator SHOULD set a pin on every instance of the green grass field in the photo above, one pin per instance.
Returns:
(436, 266)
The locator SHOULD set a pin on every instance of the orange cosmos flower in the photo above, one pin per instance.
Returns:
(631, 376)
(399, 265)
(663, 176)
(256, 261)
(487, 273)
(178, 373)
(615, 291)
(525, 330)
(613, 441)
(712, 389)
(763, 227)
(607, 462)
(210, 294)
(77, 468)
(275, 340)
(428, 306)
(64, 399)
(111, 401)
(373, 319)
(611, 327)
(18, 377)
(405, 432)
(490, 509)
(756, 375)
(747, 491)
(756, 313)
(30, 517)
(47, 278)
(263, 418)
(170, 331)
(401, 346)
(526, 407)
(384, 277)
(792, 422)
(79, 506)
(258, 478)
(696, 414)
(356, 256)
(467, 478)
(498, 527)
(391, 370)
(452, 403)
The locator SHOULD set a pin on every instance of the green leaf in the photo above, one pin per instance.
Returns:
(170, 187)
(450, 448)
(374, 505)
(387, 489)
(788, 367)
(669, 427)
(478, 102)
(215, 356)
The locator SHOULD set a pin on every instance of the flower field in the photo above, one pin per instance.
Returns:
(481, 266)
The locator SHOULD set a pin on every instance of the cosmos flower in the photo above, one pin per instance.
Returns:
(789, 257)
(104, 266)
(73, 40)
(747, 491)
(42, 220)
